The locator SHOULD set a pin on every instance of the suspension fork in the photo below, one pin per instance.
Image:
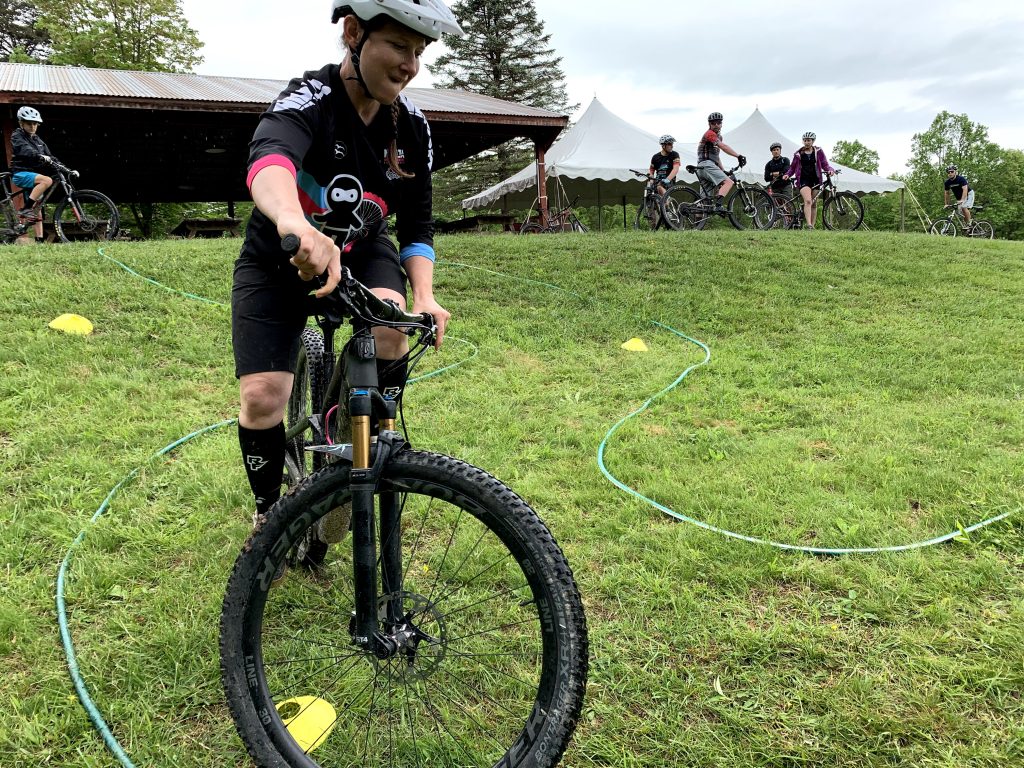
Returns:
(365, 401)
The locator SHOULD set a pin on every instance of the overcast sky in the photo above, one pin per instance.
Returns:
(877, 71)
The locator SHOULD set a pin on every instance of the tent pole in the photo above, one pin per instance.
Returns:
(623, 213)
(542, 187)
(903, 209)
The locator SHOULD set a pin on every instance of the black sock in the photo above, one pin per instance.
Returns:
(391, 377)
(263, 454)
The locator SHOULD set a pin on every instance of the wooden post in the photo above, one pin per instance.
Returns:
(599, 228)
(542, 188)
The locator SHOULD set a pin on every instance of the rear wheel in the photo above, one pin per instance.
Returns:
(86, 215)
(751, 208)
(677, 207)
(843, 211)
(531, 229)
(943, 227)
(983, 229)
(484, 651)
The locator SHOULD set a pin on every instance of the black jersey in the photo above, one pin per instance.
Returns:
(956, 186)
(346, 186)
(25, 150)
(662, 164)
(781, 165)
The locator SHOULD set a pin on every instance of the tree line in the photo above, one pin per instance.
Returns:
(508, 55)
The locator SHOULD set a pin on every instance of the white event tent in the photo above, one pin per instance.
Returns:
(593, 160)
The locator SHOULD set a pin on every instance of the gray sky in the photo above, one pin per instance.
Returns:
(877, 71)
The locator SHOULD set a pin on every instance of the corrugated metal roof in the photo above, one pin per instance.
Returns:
(124, 84)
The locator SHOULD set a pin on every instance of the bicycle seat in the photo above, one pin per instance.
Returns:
(691, 169)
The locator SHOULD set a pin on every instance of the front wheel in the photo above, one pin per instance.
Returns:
(751, 208)
(485, 651)
(844, 211)
(943, 227)
(531, 228)
(648, 217)
(86, 215)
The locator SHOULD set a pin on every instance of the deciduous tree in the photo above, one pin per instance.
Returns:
(20, 39)
(148, 35)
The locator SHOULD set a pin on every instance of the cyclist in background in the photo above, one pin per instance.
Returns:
(338, 152)
(809, 168)
(956, 186)
(665, 164)
(30, 157)
(709, 165)
(774, 171)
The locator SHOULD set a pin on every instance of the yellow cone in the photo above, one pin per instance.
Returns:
(309, 720)
(75, 324)
(635, 345)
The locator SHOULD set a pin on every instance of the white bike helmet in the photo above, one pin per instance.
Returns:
(811, 135)
(29, 115)
(775, 145)
(668, 138)
(431, 18)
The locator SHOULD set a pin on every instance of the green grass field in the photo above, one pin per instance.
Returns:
(864, 389)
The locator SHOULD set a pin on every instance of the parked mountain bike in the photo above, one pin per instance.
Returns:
(648, 214)
(564, 220)
(448, 631)
(747, 205)
(81, 214)
(955, 222)
(839, 210)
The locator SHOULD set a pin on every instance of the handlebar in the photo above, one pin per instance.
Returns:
(353, 299)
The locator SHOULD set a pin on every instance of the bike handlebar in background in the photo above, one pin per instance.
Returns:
(360, 302)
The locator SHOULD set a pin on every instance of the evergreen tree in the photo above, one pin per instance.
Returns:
(20, 39)
(147, 35)
(505, 54)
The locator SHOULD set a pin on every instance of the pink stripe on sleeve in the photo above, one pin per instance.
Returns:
(268, 160)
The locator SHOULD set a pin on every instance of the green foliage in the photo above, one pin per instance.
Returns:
(21, 40)
(505, 54)
(864, 388)
(147, 35)
(855, 155)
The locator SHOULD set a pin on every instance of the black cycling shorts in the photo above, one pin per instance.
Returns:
(268, 302)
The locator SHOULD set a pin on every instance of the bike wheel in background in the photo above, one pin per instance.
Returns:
(843, 211)
(306, 397)
(647, 217)
(531, 229)
(86, 215)
(488, 654)
(785, 215)
(751, 208)
(943, 227)
(983, 229)
(677, 207)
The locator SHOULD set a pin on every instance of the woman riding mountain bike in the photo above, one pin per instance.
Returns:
(336, 154)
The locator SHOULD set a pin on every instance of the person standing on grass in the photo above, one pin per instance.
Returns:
(809, 167)
(339, 151)
(956, 186)
(775, 171)
(665, 164)
(30, 158)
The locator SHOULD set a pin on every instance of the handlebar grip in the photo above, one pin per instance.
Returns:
(290, 244)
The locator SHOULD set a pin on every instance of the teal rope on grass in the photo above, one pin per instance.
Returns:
(62, 617)
(733, 534)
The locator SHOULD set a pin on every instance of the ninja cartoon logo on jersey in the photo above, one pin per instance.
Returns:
(340, 217)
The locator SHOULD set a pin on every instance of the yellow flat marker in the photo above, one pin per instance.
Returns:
(69, 323)
(309, 720)
(635, 345)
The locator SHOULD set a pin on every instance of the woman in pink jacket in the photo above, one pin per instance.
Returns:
(809, 165)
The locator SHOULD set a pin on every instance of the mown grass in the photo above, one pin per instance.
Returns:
(864, 389)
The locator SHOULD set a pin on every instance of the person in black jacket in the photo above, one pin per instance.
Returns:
(336, 154)
(774, 171)
(30, 158)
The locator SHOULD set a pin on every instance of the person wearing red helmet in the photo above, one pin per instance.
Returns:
(338, 152)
